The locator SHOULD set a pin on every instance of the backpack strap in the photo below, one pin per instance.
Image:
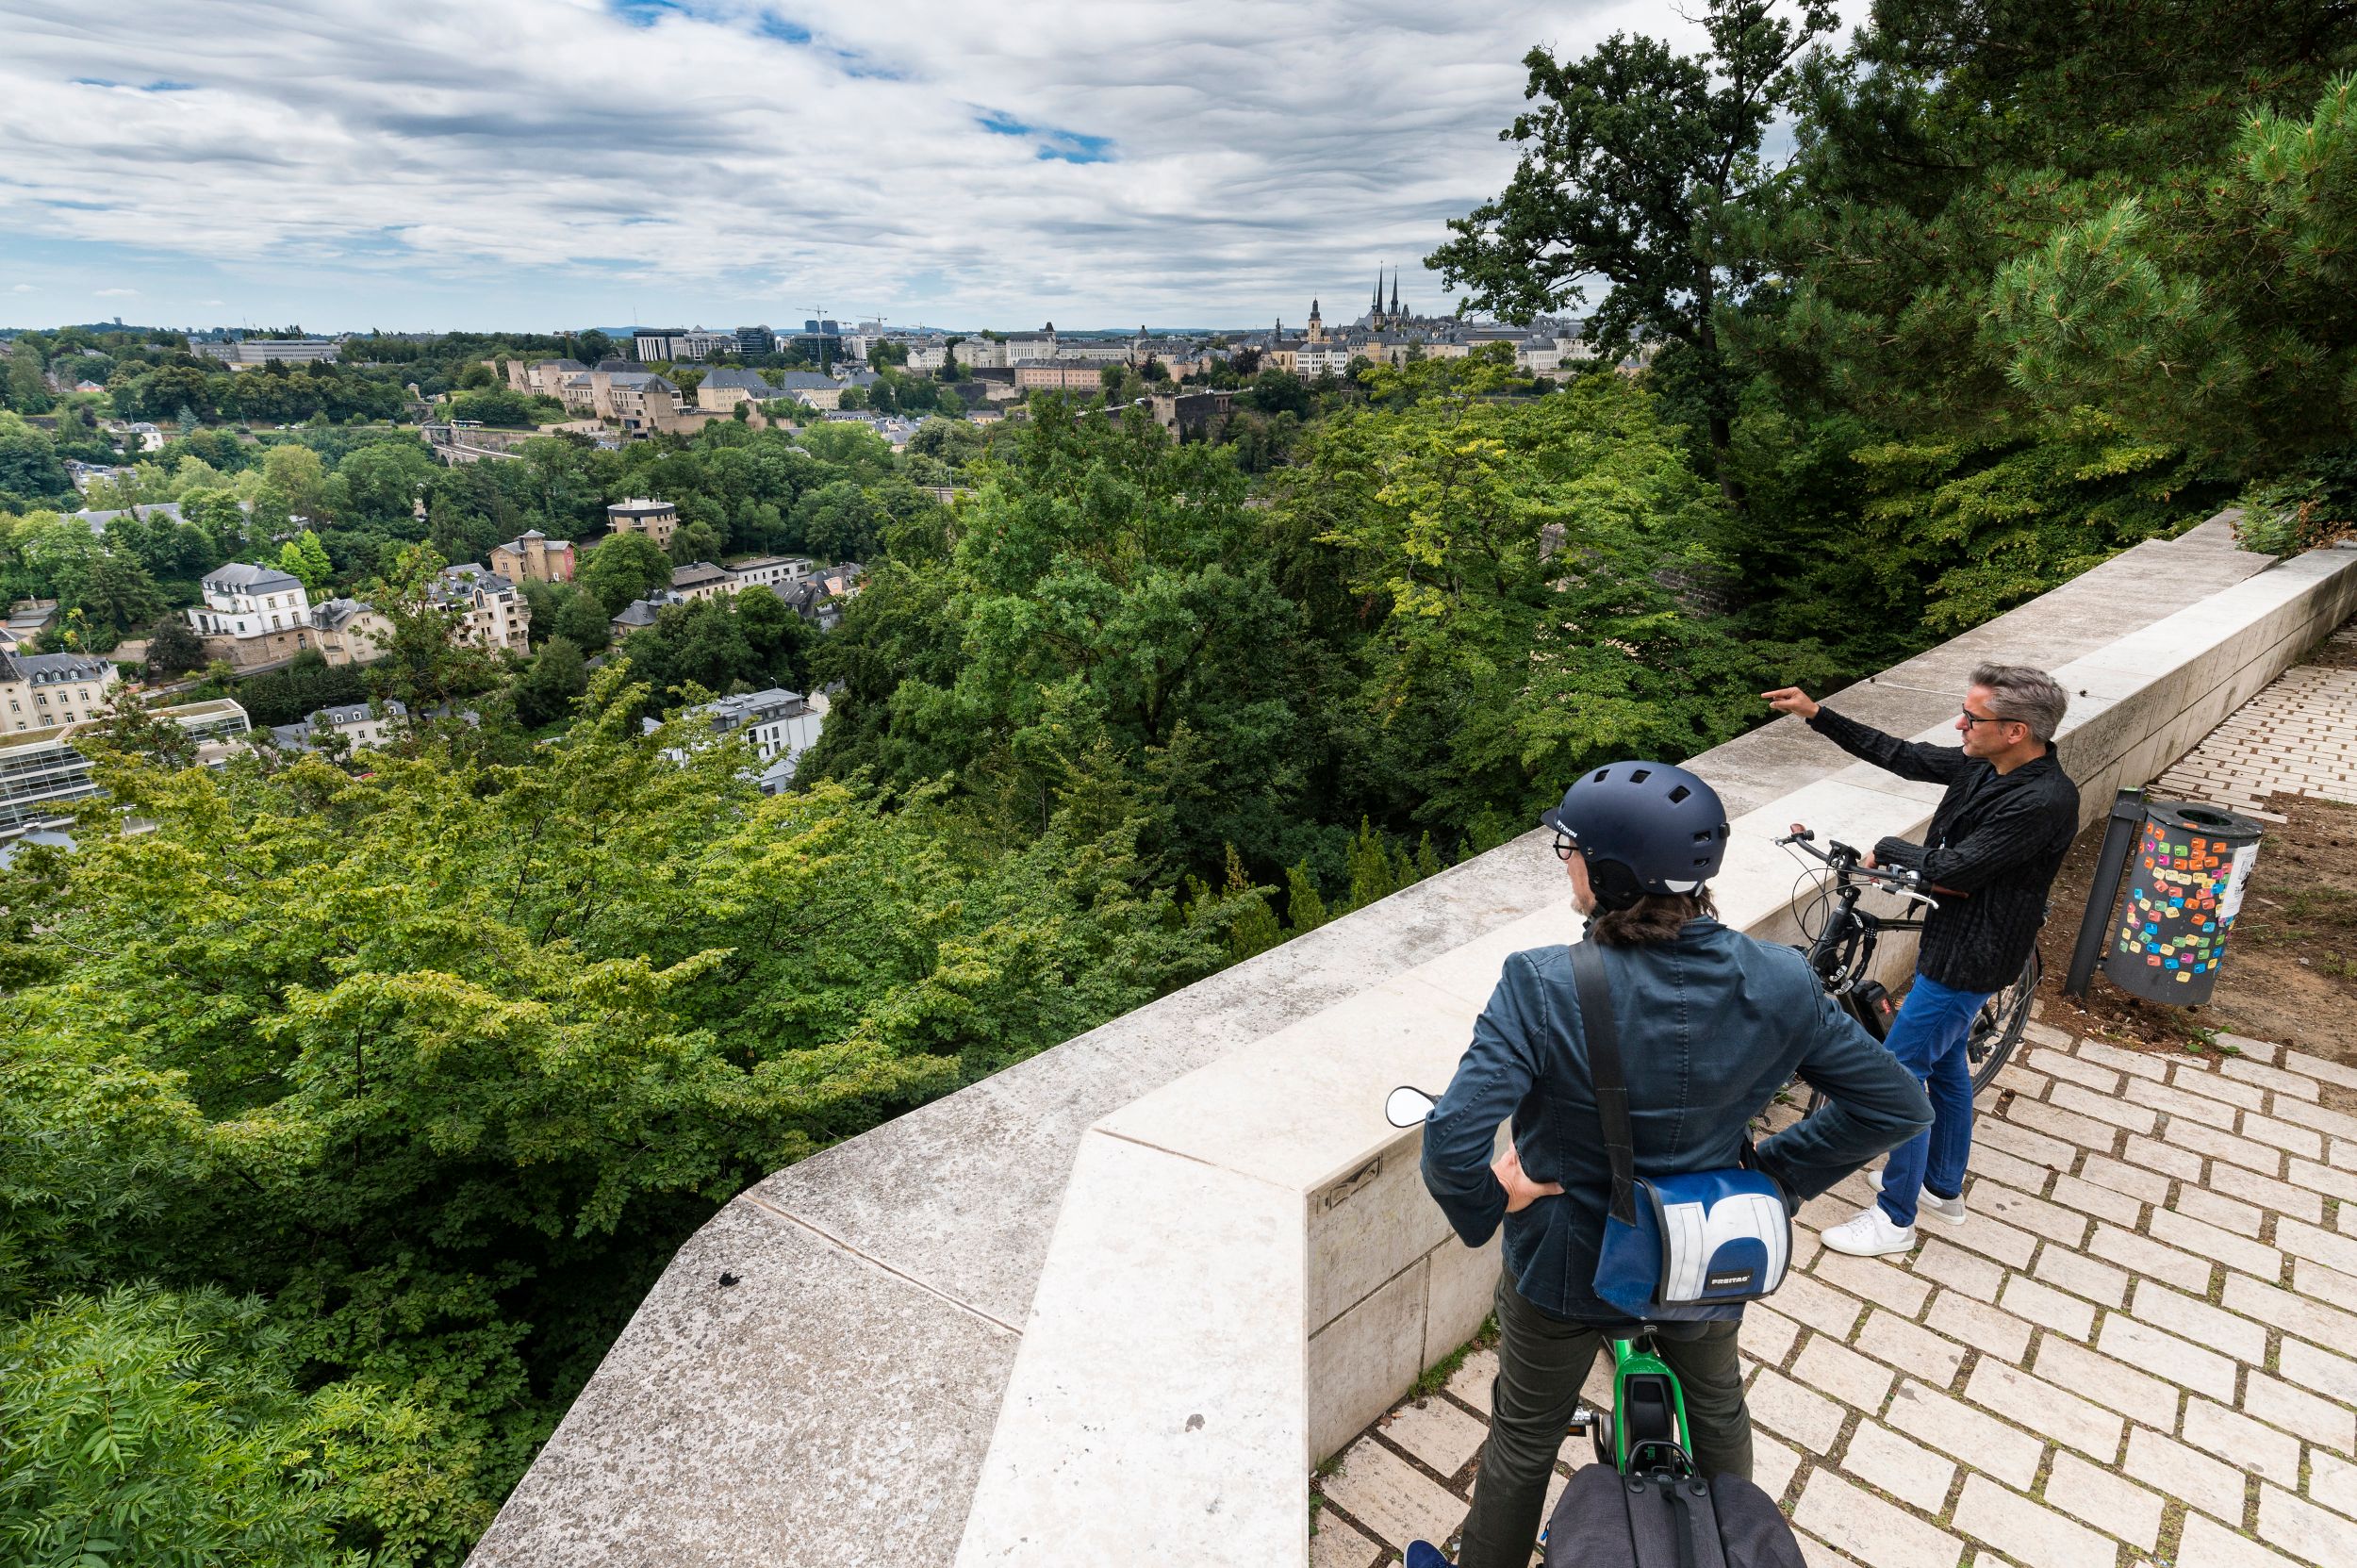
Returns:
(1604, 1072)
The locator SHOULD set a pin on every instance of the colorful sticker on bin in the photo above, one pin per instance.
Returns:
(2180, 910)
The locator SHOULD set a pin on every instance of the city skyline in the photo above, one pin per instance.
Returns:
(727, 162)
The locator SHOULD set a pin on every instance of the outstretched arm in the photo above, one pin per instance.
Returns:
(1909, 759)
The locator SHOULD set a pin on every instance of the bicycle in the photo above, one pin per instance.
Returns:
(1841, 953)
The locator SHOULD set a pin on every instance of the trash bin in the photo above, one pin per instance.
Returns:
(2185, 888)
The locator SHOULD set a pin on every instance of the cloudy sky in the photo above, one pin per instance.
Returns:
(537, 164)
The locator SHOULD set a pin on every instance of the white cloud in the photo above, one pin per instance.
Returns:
(24, 288)
(117, 293)
(995, 161)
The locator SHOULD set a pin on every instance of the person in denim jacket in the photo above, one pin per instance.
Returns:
(1712, 1024)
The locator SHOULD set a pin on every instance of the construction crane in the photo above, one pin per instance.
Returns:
(819, 311)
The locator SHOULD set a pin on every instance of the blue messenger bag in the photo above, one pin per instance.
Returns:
(1675, 1246)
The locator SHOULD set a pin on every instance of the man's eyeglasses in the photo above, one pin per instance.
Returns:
(1565, 846)
(1972, 718)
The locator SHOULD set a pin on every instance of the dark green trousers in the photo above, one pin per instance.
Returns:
(1542, 1363)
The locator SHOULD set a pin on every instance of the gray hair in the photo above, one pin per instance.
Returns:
(2025, 695)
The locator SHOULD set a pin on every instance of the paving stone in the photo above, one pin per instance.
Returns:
(2177, 1361)
(1855, 1521)
(2186, 1473)
(1767, 1336)
(1801, 1298)
(2208, 1546)
(2339, 1123)
(2335, 1377)
(2312, 1279)
(1889, 1338)
(2306, 1142)
(1437, 1432)
(2283, 1198)
(2280, 1404)
(1337, 1545)
(2057, 1121)
(1474, 1377)
(2071, 1070)
(2010, 1169)
(2302, 1239)
(2225, 1332)
(2133, 1062)
(2026, 1530)
(2197, 1236)
(2134, 1394)
(2242, 1442)
(2333, 1482)
(1983, 1327)
(2316, 1066)
(1959, 1270)
(2328, 1180)
(1875, 1279)
(2047, 1306)
(2142, 1255)
(2045, 1409)
(2033, 1215)
(2155, 1155)
(1834, 1369)
(2309, 1319)
(2242, 1070)
(2081, 1274)
(1993, 1240)
(1955, 1428)
(2129, 1180)
(2266, 1159)
(2094, 1493)
(1773, 1464)
(2305, 1530)
(2103, 1108)
(1817, 1555)
(2227, 1213)
(1782, 1405)
(2089, 1198)
(2223, 1083)
(2179, 1102)
(1905, 1469)
(2037, 1148)
(1392, 1497)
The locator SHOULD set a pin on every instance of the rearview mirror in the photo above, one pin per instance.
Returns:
(1407, 1106)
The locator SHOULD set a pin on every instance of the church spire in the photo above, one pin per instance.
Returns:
(1394, 296)
(1376, 311)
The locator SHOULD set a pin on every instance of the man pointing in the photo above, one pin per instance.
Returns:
(1991, 852)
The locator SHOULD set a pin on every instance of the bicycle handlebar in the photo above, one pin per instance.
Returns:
(1845, 863)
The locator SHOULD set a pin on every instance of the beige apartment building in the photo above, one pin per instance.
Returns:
(657, 519)
(534, 558)
(491, 614)
(40, 689)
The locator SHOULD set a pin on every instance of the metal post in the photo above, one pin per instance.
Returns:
(2120, 836)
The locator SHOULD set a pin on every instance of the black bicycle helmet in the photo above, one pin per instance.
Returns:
(1642, 827)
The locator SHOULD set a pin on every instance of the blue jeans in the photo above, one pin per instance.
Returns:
(1928, 1039)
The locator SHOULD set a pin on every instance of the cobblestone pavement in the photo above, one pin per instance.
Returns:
(2138, 1349)
(2299, 735)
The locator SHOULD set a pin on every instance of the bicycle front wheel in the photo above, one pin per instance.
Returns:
(1996, 1028)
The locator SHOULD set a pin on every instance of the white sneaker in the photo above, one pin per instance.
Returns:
(1871, 1234)
(1948, 1209)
